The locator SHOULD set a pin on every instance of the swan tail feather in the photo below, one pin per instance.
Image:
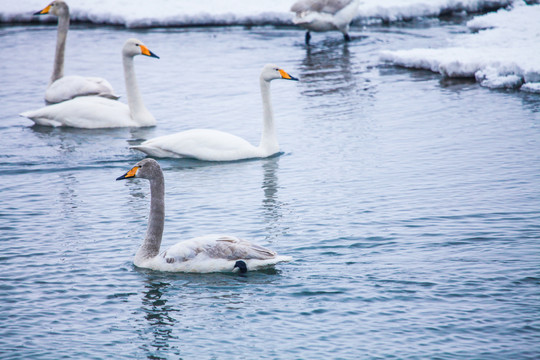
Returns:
(39, 120)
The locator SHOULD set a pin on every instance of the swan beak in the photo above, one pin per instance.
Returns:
(286, 76)
(130, 174)
(145, 51)
(44, 11)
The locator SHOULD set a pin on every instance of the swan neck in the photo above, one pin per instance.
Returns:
(156, 220)
(134, 97)
(268, 138)
(61, 37)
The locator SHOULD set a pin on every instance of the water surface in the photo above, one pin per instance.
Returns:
(409, 202)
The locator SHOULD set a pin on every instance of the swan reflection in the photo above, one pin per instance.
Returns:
(272, 207)
(327, 70)
(160, 321)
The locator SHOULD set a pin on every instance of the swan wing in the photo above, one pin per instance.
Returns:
(218, 247)
(213, 253)
(202, 144)
(69, 87)
(233, 248)
(88, 112)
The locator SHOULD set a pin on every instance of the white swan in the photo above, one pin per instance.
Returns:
(325, 15)
(62, 87)
(93, 112)
(214, 145)
(211, 253)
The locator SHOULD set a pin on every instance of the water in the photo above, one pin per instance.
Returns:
(409, 202)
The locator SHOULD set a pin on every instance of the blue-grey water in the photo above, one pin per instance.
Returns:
(411, 204)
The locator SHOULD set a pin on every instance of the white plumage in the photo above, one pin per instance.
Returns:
(203, 144)
(93, 112)
(71, 86)
(215, 145)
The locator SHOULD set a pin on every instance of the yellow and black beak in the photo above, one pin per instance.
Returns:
(44, 11)
(145, 51)
(286, 76)
(130, 174)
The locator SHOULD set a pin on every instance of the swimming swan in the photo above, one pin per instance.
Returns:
(62, 87)
(325, 15)
(210, 253)
(93, 112)
(214, 145)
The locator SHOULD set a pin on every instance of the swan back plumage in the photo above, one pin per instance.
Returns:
(72, 86)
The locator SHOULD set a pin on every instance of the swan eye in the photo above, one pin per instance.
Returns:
(136, 44)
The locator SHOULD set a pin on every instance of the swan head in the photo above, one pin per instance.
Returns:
(146, 169)
(133, 47)
(241, 266)
(271, 72)
(57, 7)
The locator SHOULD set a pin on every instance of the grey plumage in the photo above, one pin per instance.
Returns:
(324, 6)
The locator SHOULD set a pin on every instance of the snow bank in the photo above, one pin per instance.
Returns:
(163, 13)
(158, 13)
(398, 10)
(503, 52)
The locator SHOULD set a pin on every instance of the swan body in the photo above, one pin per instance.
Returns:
(203, 144)
(325, 15)
(211, 253)
(93, 112)
(81, 112)
(214, 145)
(62, 87)
(204, 254)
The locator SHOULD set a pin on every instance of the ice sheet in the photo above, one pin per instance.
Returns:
(500, 52)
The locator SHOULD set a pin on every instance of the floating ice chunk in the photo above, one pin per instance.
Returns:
(491, 78)
(531, 87)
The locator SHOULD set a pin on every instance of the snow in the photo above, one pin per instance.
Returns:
(502, 50)
(139, 13)
(531, 87)
(398, 10)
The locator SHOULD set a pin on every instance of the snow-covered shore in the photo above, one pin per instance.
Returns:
(502, 51)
